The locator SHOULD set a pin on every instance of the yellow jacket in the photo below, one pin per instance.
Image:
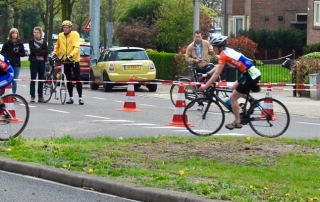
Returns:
(68, 45)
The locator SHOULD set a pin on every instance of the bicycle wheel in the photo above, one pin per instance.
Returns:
(206, 122)
(14, 120)
(189, 93)
(47, 87)
(268, 117)
(63, 89)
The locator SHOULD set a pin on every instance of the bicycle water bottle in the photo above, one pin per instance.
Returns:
(227, 101)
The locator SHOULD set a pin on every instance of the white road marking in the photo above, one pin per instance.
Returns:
(99, 98)
(148, 105)
(118, 101)
(113, 121)
(229, 134)
(167, 127)
(54, 110)
(100, 117)
(317, 124)
(137, 124)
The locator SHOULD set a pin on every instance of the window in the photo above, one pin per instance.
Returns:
(236, 23)
(316, 14)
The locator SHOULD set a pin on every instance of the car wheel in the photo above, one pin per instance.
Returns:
(93, 86)
(106, 86)
(137, 86)
(152, 87)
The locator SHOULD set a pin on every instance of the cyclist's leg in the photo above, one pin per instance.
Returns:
(67, 72)
(76, 72)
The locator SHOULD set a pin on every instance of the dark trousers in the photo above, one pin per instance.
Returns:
(75, 67)
(37, 68)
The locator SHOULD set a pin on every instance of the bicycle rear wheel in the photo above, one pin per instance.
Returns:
(48, 87)
(206, 122)
(189, 93)
(269, 117)
(63, 89)
(14, 120)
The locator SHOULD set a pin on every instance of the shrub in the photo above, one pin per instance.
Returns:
(245, 45)
(164, 64)
(311, 48)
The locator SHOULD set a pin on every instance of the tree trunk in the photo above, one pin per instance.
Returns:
(6, 23)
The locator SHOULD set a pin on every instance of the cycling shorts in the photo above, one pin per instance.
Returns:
(246, 83)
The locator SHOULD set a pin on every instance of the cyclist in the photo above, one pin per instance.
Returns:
(68, 46)
(248, 81)
(198, 53)
(6, 77)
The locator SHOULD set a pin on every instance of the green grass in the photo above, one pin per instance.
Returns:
(275, 73)
(227, 168)
(25, 64)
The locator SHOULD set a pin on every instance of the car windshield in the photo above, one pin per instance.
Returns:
(84, 50)
(130, 54)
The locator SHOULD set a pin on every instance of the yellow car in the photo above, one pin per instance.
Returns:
(116, 65)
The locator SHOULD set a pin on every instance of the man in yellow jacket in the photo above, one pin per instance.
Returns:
(68, 47)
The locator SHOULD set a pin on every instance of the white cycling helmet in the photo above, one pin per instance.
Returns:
(219, 41)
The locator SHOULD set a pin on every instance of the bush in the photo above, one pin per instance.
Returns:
(164, 64)
(311, 48)
(307, 64)
(245, 45)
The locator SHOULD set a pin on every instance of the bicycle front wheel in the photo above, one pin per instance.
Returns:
(63, 89)
(47, 87)
(269, 117)
(14, 120)
(206, 122)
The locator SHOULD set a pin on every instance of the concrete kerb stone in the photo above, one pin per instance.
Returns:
(100, 184)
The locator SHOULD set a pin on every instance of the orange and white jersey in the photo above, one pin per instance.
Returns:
(234, 59)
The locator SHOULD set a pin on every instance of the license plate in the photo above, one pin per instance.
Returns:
(132, 67)
(83, 63)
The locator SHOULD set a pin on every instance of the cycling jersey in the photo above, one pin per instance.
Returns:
(6, 72)
(234, 59)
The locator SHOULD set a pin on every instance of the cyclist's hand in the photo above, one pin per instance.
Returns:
(202, 88)
(69, 57)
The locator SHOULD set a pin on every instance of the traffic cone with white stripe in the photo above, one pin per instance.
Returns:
(130, 104)
(9, 102)
(268, 104)
(177, 119)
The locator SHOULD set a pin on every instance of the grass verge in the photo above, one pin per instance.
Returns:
(228, 168)
(25, 64)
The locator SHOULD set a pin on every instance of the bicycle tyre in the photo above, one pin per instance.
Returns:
(194, 120)
(280, 118)
(47, 87)
(18, 107)
(63, 89)
(189, 92)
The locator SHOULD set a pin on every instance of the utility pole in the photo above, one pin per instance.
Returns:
(110, 24)
(196, 15)
(95, 28)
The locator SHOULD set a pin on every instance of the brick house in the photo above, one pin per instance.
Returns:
(272, 14)
(313, 30)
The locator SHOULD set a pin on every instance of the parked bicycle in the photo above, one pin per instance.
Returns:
(191, 92)
(15, 118)
(267, 117)
(53, 80)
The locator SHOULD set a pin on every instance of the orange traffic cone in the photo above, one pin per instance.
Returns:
(177, 119)
(130, 104)
(9, 102)
(268, 104)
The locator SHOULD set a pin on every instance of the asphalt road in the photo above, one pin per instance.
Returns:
(21, 188)
(100, 116)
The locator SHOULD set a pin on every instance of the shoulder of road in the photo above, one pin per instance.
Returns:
(99, 184)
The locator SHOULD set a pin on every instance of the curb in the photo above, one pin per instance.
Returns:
(99, 184)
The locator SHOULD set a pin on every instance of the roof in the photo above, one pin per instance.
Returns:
(125, 48)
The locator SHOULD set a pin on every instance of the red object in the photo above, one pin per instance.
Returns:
(268, 104)
(130, 104)
(9, 102)
(177, 119)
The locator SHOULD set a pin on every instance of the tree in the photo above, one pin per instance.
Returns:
(81, 14)
(66, 9)
(175, 21)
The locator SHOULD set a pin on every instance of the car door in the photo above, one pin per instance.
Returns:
(99, 67)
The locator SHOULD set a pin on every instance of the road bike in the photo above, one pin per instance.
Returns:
(14, 118)
(54, 81)
(267, 117)
(190, 91)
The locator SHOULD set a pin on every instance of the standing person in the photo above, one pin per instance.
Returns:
(13, 49)
(248, 81)
(68, 47)
(198, 53)
(38, 56)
